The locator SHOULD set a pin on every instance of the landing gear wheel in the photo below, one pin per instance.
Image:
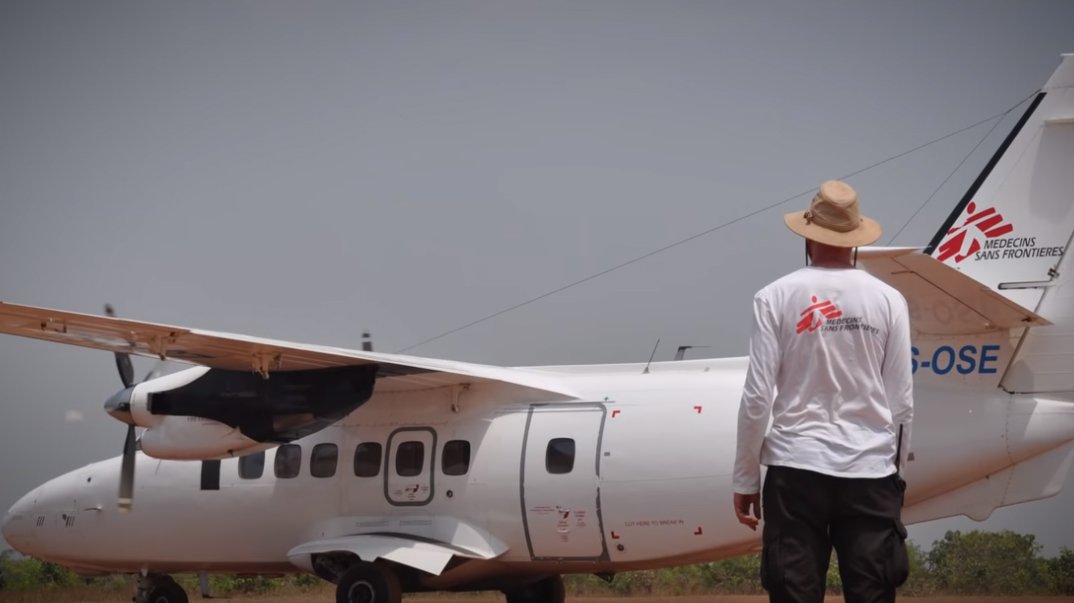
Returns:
(166, 591)
(548, 590)
(368, 583)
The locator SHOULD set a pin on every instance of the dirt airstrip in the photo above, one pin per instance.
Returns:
(697, 599)
(326, 597)
(734, 599)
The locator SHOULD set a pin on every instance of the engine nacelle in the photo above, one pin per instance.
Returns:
(196, 438)
(203, 413)
(139, 396)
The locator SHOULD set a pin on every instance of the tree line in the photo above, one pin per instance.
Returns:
(973, 563)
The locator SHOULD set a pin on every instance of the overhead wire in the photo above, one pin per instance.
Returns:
(721, 226)
(999, 120)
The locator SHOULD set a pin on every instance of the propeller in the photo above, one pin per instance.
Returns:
(119, 406)
(123, 360)
(126, 472)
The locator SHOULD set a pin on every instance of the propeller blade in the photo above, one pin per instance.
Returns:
(126, 369)
(126, 473)
(123, 361)
(119, 407)
(157, 370)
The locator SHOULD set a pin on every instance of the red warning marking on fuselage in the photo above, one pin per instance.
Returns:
(698, 531)
(615, 412)
(614, 535)
(698, 409)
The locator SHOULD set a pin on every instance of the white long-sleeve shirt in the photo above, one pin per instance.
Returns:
(830, 363)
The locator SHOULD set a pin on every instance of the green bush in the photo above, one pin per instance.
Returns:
(31, 574)
(1061, 572)
(737, 575)
(921, 582)
(988, 563)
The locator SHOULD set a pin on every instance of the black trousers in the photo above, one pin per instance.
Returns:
(807, 513)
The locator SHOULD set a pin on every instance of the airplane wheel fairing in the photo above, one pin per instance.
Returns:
(548, 590)
(167, 592)
(368, 583)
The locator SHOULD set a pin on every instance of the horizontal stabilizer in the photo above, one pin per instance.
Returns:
(943, 300)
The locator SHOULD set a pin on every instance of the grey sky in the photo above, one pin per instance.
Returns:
(309, 170)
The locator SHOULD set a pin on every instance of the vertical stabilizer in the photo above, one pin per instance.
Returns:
(1014, 225)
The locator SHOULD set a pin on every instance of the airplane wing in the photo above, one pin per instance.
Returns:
(240, 352)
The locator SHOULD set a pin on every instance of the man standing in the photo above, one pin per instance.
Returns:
(830, 365)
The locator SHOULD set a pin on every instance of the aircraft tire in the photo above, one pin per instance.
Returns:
(548, 590)
(366, 582)
(167, 591)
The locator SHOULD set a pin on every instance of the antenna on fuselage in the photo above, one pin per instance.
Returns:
(646, 370)
(681, 353)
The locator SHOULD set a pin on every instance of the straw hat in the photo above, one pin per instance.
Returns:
(833, 218)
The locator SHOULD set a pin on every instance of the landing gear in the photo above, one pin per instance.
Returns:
(548, 590)
(366, 582)
(159, 588)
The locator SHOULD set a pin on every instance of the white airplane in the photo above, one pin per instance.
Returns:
(387, 473)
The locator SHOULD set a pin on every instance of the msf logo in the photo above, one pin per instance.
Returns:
(963, 241)
(814, 316)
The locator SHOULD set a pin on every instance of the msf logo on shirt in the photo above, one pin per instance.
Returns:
(964, 241)
(814, 316)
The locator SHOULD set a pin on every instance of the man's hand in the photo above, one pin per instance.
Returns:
(743, 502)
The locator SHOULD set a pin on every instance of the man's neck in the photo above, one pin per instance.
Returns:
(818, 264)
(827, 256)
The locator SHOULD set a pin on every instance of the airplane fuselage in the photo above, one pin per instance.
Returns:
(634, 474)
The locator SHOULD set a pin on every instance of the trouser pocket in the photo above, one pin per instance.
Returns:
(899, 559)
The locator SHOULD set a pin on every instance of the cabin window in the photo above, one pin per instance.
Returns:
(559, 456)
(367, 459)
(288, 460)
(252, 466)
(410, 458)
(323, 460)
(455, 459)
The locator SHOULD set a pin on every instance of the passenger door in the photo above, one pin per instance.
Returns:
(561, 482)
(408, 475)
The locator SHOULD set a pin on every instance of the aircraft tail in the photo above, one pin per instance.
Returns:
(1012, 228)
(1000, 261)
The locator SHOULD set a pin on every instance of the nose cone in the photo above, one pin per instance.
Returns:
(18, 522)
(119, 405)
